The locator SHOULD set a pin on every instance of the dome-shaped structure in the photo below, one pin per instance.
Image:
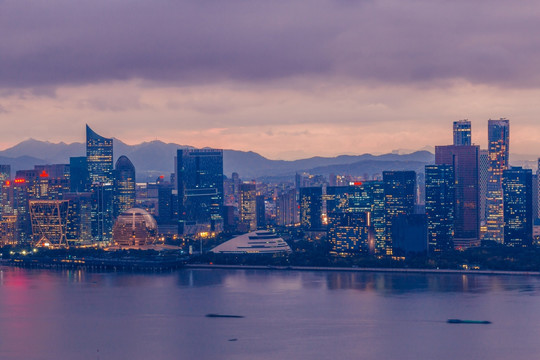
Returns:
(135, 227)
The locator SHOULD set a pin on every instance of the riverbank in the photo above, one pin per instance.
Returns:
(96, 264)
(358, 269)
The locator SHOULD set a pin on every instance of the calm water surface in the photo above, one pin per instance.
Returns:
(288, 315)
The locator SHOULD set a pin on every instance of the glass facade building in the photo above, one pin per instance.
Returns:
(462, 133)
(464, 160)
(311, 208)
(124, 185)
(440, 197)
(99, 157)
(498, 142)
(200, 190)
(518, 212)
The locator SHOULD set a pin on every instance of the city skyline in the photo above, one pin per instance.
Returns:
(276, 78)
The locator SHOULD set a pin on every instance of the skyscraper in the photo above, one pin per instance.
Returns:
(200, 190)
(440, 197)
(247, 206)
(311, 208)
(400, 195)
(483, 166)
(99, 156)
(498, 142)
(348, 232)
(79, 179)
(462, 133)
(464, 160)
(124, 185)
(518, 217)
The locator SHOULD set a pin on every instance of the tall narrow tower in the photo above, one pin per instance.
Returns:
(462, 133)
(498, 152)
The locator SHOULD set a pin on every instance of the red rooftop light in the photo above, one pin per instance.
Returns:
(44, 174)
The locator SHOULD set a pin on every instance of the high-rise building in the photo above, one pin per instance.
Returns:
(311, 208)
(247, 206)
(99, 157)
(5, 172)
(124, 185)
(79, 219)
(200, 190)
(260, 210)
(78, 174)
(400, 195)
(348, 232)
(483, 166)
(102, 212)
(49, 222)
(464, 160)
(518, 217)
(537, 193)
(498, 142)
(440, 197)
(287, 208)
(462, 133)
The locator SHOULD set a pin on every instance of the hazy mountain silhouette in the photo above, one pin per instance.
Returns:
(155, 158)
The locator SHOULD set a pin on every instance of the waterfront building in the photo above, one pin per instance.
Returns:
(311, 208)
(133, 228)
(399, 195)
(462, 133)
(102, 212)
(49, 222)
(79, 221)
(124, 185)
(464, 160)
(247, 207)
(8, 230)
(349, 233)
(99, 157)
(440, 197)
(518, 216)
(256, 242)
(260, 210)
(200, 190)
(409, 234)
(498, 142)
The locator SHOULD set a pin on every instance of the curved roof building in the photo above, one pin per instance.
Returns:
(99, 155)
(124, 185)
(134, 227)
(257, 242)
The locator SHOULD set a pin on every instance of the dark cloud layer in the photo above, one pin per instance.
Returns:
(56, 42)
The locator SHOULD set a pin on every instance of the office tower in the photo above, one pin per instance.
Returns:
(518, 217)
(99, 157)
(78, 174)
(311, 208)
(247, 207)
(337, 198)
(5, 172)
(399, 195)
(464, 160)
(462, 133)
(260, 210)
(15, 197)
(537, 193)
(535, 196)
(498, 142)
(54, 171)
(440, 196)
(79, 219)
(200, 190)
(348, 232)
(124, 185)
(287, 208)
(102, 212)
(49, 222)
(165, 204)
(483, 166)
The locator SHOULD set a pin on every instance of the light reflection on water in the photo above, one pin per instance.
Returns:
(299, 315)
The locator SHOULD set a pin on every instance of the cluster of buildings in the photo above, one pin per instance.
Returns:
(469, 195)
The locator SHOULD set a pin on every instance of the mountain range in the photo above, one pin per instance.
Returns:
(155, 158)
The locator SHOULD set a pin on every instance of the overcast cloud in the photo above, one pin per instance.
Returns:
(267, 67)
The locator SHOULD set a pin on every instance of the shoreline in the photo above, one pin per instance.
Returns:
(358, 269)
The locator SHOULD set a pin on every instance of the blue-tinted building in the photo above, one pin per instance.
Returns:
(311, 208)
(200, 190)
(400, 195)
(99, 157)
(440, 203)
(518, 211)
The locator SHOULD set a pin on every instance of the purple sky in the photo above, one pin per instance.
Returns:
(284, 78)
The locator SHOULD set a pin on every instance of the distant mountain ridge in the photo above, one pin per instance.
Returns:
(155, 158)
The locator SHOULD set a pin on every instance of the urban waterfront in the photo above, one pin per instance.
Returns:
(46, 314)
